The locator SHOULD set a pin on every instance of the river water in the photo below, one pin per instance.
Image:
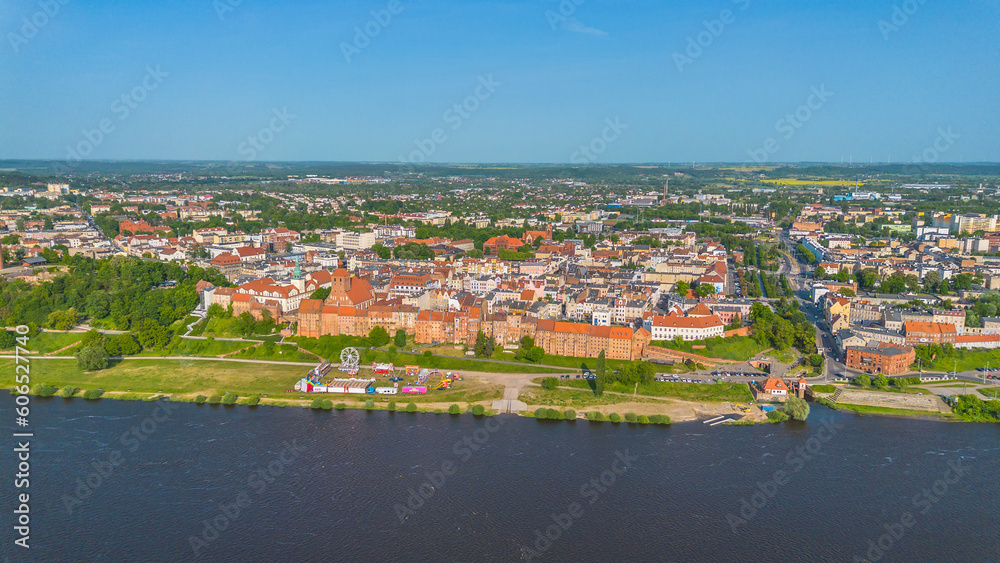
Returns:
(138, 481)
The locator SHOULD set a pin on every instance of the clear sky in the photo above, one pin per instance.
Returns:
(549, 79)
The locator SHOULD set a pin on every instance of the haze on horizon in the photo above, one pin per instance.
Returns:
(577, 81)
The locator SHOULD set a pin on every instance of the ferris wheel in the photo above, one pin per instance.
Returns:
(350, 360)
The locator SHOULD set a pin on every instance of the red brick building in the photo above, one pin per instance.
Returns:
(886, 358)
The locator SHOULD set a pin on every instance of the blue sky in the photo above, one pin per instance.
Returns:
(555, 80)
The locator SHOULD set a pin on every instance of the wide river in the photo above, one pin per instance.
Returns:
(121, 481)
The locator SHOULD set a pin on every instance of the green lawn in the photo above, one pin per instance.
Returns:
(48, 342)
(965, 360)
(216, 377)
(885, 411)
(739, 348)
(167, 376)
(575, 398)
(727, 392)
(823, 388)
(190, 347)
(787, 356)
(282, 353)
(460, 364)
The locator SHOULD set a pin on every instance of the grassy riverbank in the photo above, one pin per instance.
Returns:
(886, 411)
(189, 378)
(720, 392)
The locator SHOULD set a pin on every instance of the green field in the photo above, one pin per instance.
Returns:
(217, 377)
(190, 347)
(722, 392)
(575, 398)
(963, 360)
(48, 342)
(273, 352)
(739, 348)
(884, 411)
(167, 376)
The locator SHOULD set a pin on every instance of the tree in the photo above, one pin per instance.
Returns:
(816, 360)
(881, 382)
(931, 281)
(705, 290)
(550, 383)
(62, 320)
(480, 346)
(601, 374)
(797, 408)
(863, 380)
(378, 336)
(400, 339)
(847, 292)
(92, 358)
(820, 273)
(895, 283)
(682, 288)
(867, 278)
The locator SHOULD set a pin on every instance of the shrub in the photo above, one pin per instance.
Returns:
(327, 404)
(454, 409)
(411, 407)
(438, 411)
(44, 390)
(643, 419)
(613, 417)
(553, 414)
(340, 406)
(550, 383)
(369, 404)
(569, 414)
(659, 419)
(631, 417)
(68, 391)
(230, 399)
(93, 394)
(215, 399)
(777, 416)
(595, 416)
(316, 404)
(200, 399)
(392, 406)
(478, 410)
(252, 400)
(540, 413)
